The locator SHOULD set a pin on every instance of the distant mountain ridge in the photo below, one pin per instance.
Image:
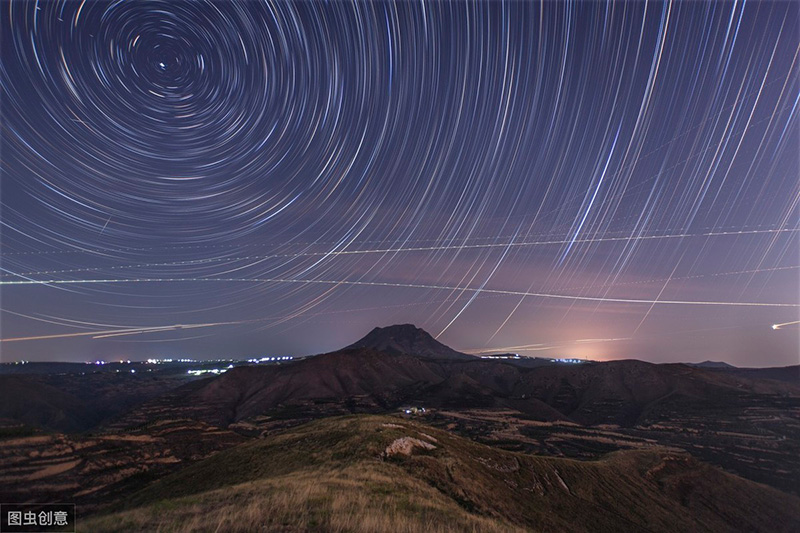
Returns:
(392, 366)
(403, 364)
(711, 364)
(407, 339)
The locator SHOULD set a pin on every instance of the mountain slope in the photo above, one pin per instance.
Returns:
(367, 473)
(340, 380)
(32, 402)
(364, 380)
(789, 374)
(77, 402)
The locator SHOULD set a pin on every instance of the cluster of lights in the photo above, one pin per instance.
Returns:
(162, 361)
(570, 361)
(271, 359)
(101, 362)
(509, 356)
(209, 371)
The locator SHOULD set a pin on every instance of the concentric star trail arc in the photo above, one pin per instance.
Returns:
(497, 173)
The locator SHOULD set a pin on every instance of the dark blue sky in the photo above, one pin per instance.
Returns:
(560, 179)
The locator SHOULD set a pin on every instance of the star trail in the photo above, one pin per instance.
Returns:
(569, 179)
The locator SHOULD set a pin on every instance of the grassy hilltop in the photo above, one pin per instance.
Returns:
(368, 473)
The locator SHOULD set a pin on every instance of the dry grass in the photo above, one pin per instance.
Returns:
(355, 499)
(333, 475)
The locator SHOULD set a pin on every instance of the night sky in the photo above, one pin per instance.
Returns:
(561, 180)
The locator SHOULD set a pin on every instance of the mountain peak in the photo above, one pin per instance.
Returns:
(712, 364)
(399, 329)
(407, 339)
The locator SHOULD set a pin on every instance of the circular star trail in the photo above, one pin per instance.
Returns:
(286, 175)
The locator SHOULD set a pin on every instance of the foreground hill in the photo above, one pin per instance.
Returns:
(367, 473)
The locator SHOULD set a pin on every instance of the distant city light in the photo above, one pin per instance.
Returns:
(207, 371)
(505, 356)
(270, 359)
(230, 363)
(163, 361)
